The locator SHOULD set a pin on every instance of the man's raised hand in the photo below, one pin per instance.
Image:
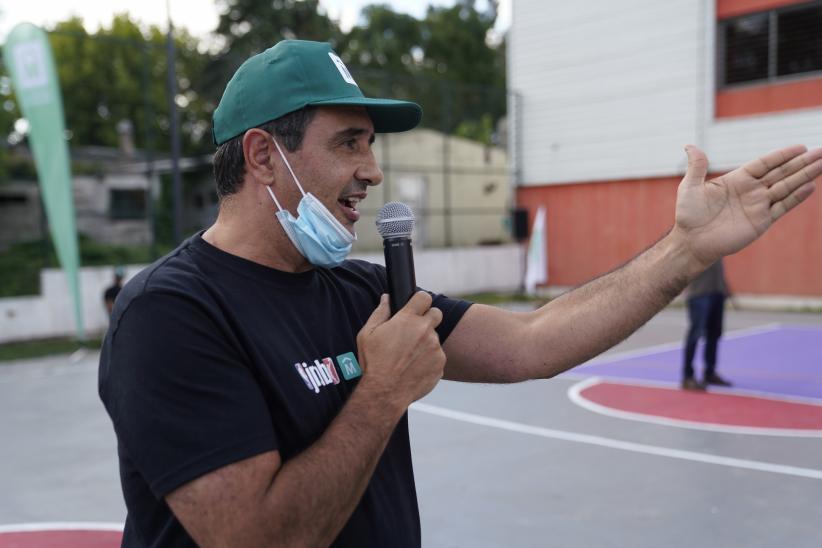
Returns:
(721, 216)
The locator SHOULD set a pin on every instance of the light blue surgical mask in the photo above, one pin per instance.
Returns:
(316, 233)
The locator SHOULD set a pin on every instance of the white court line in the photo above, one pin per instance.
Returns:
(574, 394)
(664, 347)
(60, 526)
(617, 444)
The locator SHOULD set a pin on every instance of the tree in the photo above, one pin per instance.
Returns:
(119, 73)
(445, 62)
(388, 41)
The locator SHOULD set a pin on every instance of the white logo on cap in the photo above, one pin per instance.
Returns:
(342, 68)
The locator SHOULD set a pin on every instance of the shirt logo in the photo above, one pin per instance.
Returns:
(349, 365)
(342, 68)
(322, 373)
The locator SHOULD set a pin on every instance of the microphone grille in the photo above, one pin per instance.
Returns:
(395, 220)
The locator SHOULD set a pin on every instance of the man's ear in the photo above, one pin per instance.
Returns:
(259, 162)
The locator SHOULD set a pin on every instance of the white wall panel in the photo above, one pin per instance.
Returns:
(610, 89)
(613, 89)
(732, 142)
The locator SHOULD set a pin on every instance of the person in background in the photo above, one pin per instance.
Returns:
(705, 296)
(111, 292)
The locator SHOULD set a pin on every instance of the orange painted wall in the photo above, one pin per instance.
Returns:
(595, 227)
(769, 98)
(732, 8)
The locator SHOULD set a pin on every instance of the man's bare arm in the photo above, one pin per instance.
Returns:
(263, 501)
(713, 218)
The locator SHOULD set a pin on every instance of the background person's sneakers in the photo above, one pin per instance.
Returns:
(715, 379)
(692, 384)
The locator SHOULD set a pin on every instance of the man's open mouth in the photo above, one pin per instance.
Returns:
(349, 207)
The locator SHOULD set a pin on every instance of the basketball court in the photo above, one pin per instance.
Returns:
(610, 454)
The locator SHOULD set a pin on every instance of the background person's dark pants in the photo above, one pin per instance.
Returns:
(705, 313)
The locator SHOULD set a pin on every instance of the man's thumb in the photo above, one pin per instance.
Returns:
(380, 315)
(697, 165)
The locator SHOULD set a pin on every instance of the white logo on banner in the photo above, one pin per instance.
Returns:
(342, 68)
(30, 61)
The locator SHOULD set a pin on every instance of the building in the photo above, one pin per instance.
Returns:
(458, 189)
(607, 93)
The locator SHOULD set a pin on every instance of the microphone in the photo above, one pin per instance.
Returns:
(395, 222)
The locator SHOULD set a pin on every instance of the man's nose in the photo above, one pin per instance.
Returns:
(369, 171)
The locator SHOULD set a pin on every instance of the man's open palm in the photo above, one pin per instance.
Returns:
(723, 215)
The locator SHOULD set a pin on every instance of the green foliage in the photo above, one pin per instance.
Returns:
(43, 347)
(388, 41)
(21, 263)
(251, 26)
(118, 72)
(477, 130)
(445, 62)
(13, 167)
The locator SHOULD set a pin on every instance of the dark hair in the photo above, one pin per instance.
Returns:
(229, 162)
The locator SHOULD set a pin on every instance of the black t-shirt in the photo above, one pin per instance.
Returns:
(210, 359)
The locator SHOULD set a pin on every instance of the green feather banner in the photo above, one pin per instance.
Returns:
(27, 55)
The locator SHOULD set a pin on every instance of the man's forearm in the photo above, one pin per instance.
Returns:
(594, 317)
(309, 502)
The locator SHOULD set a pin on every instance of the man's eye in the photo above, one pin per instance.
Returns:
(351, 143)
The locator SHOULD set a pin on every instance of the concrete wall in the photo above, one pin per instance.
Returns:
(414, 165)
(453, 271)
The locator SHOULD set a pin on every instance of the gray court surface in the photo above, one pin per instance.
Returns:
(517, 465)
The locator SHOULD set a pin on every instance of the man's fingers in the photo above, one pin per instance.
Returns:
(761, 166)
(803, 174)
(418, 304)
(697, 165)
(795, 198)
(380, 315)
(434, 315)
(795, 165)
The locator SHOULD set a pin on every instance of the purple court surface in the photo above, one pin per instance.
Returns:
(781, 360)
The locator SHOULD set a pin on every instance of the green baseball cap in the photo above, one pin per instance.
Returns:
(291, 75)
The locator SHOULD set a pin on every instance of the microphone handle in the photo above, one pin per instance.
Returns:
(399, 264)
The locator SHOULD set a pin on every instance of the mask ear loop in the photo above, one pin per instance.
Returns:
(291, 171)
(279, 207)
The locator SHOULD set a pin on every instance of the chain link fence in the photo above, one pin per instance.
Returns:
(453, 170)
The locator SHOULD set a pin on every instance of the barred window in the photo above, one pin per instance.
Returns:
(772, 44)
(127, 204)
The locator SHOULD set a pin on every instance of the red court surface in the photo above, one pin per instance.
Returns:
(705, 408)
(30, 537)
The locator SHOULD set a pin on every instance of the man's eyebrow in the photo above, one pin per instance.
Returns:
(352, 133)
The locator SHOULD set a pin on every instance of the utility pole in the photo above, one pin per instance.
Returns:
(177, 186)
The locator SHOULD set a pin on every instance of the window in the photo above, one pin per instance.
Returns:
(799, 44)
(128, 204)
(769, 45)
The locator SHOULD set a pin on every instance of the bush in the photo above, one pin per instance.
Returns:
(20, 265)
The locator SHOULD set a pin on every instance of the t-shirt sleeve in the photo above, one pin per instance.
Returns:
(375, 276)
(181, 398)
(452, 312)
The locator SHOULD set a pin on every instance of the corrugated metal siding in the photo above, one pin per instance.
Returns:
(615, 89)
(609, 89)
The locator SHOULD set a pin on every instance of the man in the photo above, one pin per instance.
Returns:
(257, 382)
(111, 292)
(705, 296)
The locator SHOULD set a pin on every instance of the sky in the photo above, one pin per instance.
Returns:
(198, 16)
